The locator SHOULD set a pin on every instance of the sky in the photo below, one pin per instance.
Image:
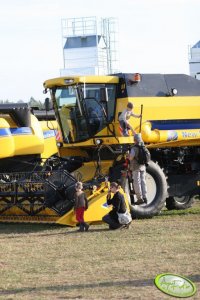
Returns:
(154, 37)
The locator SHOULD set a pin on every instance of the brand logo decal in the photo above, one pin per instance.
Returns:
(175, 285)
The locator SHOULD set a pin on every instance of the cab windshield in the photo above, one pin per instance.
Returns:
(82, 112)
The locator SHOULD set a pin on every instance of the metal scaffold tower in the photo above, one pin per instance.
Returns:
(90, 46)
(194, 60)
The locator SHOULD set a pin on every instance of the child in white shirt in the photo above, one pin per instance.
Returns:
(124, 117)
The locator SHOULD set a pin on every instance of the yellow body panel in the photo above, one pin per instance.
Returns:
(87, 171)
(162, 108)
(64, 151)
(29, 141)
(50, 147)
(162, 136)
(8, 143)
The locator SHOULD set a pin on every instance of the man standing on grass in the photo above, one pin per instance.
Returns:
(138, 171)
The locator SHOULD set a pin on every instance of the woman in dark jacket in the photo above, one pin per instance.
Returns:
(119, 206)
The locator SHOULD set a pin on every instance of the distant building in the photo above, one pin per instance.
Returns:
(89, 46)
(194, 60)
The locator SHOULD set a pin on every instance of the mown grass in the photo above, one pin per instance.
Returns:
(195, 209)
(56, 262)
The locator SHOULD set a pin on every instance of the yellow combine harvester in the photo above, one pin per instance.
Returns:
(87, 109)
(91, 147)
(34, 187)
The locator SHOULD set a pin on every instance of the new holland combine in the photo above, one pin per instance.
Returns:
(91, 148)
(35, 185)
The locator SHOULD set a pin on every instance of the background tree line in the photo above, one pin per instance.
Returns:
(32, 102)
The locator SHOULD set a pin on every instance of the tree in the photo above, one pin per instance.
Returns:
(35, 103)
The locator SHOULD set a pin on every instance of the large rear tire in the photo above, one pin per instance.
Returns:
(156, 193)
(179, 202)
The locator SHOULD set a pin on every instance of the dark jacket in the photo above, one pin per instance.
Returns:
(119, 205)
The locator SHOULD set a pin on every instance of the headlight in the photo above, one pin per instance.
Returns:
(98, 141)
(174, 91)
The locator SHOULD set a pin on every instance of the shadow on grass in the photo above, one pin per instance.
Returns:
(13, 228)
(19, 228)
(91, 230)
(131, 283)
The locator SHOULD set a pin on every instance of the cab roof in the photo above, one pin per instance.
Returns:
(70, 80)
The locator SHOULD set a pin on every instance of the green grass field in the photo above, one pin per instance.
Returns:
(56, 262)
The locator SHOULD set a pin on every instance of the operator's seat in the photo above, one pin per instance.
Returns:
(94, 120)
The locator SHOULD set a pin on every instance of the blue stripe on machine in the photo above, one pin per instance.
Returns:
(175, 124)
(48, 134)
(15, 131)
(5, 132)
(24, 131)
(21, 130)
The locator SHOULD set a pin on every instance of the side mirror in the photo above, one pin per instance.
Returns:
(103, 95)
(47, 104)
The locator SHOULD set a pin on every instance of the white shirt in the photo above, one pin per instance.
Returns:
(126, 114)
